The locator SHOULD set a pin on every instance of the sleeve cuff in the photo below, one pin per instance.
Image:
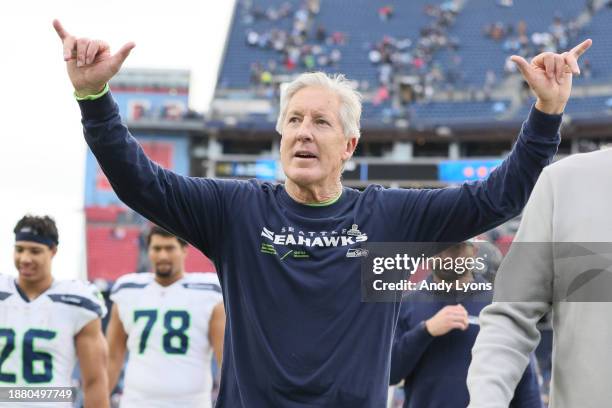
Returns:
(98, 109)
(424, 332)
(93, 97)
(543, 124)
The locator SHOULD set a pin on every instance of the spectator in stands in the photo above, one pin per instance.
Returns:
(255, 73)
(586, 69)
(321, 34)
(337, 38)
(296, 325)
(374, 56)
(314, 6)
(590, 6)
(490, 81)
(557, 37)
(435, 334)
(266, 78)
(293, 45)
(559, 32)
(309, 62)
(496, 31)
(382, 95)
(335, 56)
(385, 12)
(395, 56)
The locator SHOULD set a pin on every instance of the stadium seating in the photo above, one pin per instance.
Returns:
(479, 53)
(196, 262)
(363, 28)
(589, 107)
(111, 257)
(359, 21)
(112, 251)
(459, 112)
(600, 30)
(103, 214)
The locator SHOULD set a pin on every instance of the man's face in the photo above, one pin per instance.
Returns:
(33, 260)
(167, 256)
(313, 146)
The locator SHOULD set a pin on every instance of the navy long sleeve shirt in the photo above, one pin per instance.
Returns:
(434, 369)
(298, 334)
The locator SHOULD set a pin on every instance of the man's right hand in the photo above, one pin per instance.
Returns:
(89, 62)
(447, 319)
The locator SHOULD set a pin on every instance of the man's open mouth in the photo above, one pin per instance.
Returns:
(305, 155)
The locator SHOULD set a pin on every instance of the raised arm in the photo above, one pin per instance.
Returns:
(457, 213)
(188, 207)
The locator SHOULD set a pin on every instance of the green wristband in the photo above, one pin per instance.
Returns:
(93, 97)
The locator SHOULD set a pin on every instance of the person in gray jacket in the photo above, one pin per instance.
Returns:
(561, 260)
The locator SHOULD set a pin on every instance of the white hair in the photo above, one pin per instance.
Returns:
(350, 99)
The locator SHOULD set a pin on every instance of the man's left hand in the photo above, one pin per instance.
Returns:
(550, 76)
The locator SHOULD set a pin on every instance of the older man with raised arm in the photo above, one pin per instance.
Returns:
(298, 334)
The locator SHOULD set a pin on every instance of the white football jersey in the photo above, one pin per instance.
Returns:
(169, 363)
(37, 347)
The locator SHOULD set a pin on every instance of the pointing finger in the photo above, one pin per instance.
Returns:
(59, 29)
(581, 48)
(570, 60)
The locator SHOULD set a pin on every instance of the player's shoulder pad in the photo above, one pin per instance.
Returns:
(79, 293)
(202, 281)
(7, 287)
(132, 281)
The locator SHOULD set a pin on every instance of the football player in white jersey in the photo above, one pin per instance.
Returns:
(171, 322)
(45, 324)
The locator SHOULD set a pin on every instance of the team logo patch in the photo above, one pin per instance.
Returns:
(357, 252)
(354, 231)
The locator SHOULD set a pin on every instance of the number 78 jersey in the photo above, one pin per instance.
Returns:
(37, 347)
(170, 354)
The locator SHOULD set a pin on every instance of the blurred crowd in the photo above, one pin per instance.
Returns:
(304, 46)
(401, 56)
(288, 38)
(516, 39)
